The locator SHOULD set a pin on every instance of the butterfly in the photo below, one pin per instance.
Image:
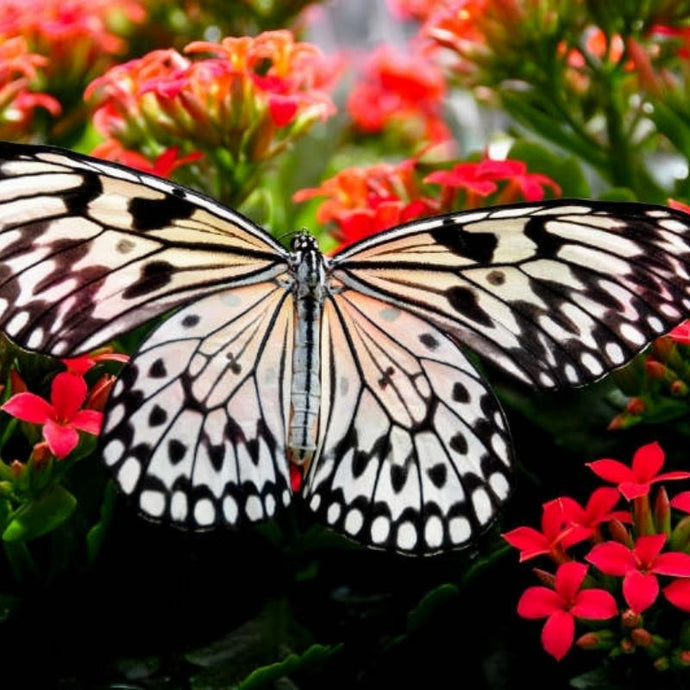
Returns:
(350, 368)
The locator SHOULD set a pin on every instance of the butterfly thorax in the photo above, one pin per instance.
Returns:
(308, 272)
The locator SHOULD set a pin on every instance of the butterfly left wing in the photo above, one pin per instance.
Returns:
(555, 293)
(90, 249)
(195, 431)
(414, 454)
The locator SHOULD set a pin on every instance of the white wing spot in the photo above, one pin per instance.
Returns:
(286, 497)
(656, 324)
(632, 334)
(333, 513)
(204, 512)
(499, 484)
(253, 508)
(482, 505)
(152, 503)
(113, 451)
(179, 506)
(129, 474)
(270, 505)
(230, 509)
(380, 529)
(459, 529)
(17, 322)
(614, 353)
(591, 363)
(407, 536)
(433, 531)
(115, 416)
(315, 502)
(354, 521)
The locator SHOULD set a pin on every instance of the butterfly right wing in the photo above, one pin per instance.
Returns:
(90, 249)
(195, 431)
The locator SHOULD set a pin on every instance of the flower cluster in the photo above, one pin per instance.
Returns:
(243, 104)
(18, 103)
(631, 557)
(400, 93)
(362, 201)
(77, 39)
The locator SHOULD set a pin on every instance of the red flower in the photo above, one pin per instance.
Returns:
(681, 333)
(639, 567)
(550, 541)
(400, 90)
(636, 481)
(163, 166)
(678, 593)
(83, 363)
(561, 606)
(62, 418)
(366, 200)
(682, 501)
(599, 509)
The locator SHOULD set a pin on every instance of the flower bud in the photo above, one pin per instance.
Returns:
(680, 536)
(17, 468)
(636, 406)
(545, 578)
(601, 639)
(662, 512)
(631, 619)
(619, 532)
(679, 389)
(641, 637)
(656, 370)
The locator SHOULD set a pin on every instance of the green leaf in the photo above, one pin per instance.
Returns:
(618, 194)
(41, 515)
(315, 656)
(429, 604)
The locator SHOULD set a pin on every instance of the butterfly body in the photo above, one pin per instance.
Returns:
(353, 366)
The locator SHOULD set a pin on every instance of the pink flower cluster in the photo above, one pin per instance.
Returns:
(630, 551)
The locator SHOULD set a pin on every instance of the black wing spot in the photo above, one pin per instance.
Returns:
(479, 246)
(429, 341)
(157, 416)
(386, 378)
(190, 320)
(158, 370)
(438, 475)
(496, 277)
(176, 450)
(154, 276)
(460, 393)
(464, 301)
(152, 214)
(459, 443)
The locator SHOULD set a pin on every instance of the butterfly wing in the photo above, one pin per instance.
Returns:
(196, 429)
(91, 249)
(414, 453)
(555, 293)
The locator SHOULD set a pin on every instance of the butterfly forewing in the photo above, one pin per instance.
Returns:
(90, 249)
(196, 430)
(554, 294)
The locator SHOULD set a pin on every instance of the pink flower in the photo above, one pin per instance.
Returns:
(682, 501)
(678, 593)
(62, 418)
(636, 481)
(639, 567)
(599, 509)
(561, 605)
(681, 333)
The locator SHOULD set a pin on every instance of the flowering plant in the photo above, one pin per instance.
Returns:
(483, 102)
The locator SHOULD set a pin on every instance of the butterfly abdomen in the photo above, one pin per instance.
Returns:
(305, 394)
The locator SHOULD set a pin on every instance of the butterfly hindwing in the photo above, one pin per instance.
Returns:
(91, 249)
(415, 455)
(196, 427)
(555, 294)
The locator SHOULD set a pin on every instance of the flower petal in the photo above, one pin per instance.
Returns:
(611, 470)
(672, 563)
(611, 558)
(648, 547)
(62, 440)
(682, 501)
(569, 578)
(678, 593)
(67, 393)
(29, 407)
(89, 421)
(647, 462)
(594, 604)
(640, 590)
(538, 602)
(530, 541)
(558, 634)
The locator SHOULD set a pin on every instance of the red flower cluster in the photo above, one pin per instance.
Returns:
(402, 92)
(18, 69)
(362, 201)
(251, 97)
(72, 407)
(76, 37)
(639, 554)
